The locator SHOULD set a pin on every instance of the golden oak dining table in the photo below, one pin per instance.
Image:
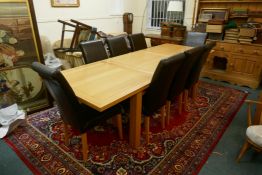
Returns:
(106, 83)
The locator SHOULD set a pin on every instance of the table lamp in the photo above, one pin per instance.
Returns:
(169, 27)
(175, 6)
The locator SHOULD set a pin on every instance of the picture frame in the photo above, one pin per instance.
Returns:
(217, 13)
(20, 46)
(204, 17)
(65, 3)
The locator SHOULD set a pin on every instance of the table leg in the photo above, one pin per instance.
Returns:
(135, 120)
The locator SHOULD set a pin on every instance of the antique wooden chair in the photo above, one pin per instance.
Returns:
(254, 130)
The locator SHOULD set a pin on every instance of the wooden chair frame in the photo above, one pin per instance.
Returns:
(257, 121)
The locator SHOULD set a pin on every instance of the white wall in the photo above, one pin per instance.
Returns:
(106, 15)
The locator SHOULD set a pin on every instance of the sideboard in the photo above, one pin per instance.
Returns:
(235, 63)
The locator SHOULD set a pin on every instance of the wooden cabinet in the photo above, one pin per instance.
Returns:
(160, 39)
(236, 63)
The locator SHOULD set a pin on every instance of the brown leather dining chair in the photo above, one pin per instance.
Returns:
(93, 51)
(178, 84)
(191, 83)
(117, 46)
(137, 41)
(80, 117)
(156, 94)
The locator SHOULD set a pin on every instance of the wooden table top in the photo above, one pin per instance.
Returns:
(139, 60)
(105, 83)
(146, 60)
(167, 49)
(101, 85)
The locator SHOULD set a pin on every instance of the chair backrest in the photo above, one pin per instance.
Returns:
(156, 95)
(62, 93)
(93, 51)
(195, 39)
(117, 46)
(197, 67)
(137, 41)
(179, 81)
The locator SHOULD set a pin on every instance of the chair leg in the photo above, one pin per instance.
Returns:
(147, 122)
(168, 104)
(162, 117)
(185, 100)
(119, 126)
(194, 91)
(190, 92)
(243, 151)
(84, 146)
(180, 103)
(66, 134)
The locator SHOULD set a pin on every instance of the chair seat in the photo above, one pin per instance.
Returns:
(254, 133)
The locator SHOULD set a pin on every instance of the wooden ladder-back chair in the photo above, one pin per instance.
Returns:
(254, 130)
(80, 117)
(78, 28)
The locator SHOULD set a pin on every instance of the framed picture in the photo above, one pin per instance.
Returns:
(216, 13)
(65, 3)
(204, 17)
(20, 46)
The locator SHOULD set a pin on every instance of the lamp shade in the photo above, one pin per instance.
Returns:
(175, 6)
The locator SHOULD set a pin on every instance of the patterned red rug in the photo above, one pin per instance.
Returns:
(182, 148)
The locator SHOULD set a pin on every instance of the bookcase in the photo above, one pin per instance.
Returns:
(237, 61)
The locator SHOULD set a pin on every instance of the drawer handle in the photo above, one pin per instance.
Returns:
(222, 48)
(256, 52)
(231, 65)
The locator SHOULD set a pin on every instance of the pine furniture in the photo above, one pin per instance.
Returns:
(236, 63)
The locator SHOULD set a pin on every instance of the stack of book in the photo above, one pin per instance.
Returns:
(246, 35)
(231, 35)
(245, 39)
(239, 12)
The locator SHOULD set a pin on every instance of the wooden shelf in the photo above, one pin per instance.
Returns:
(238, 16)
